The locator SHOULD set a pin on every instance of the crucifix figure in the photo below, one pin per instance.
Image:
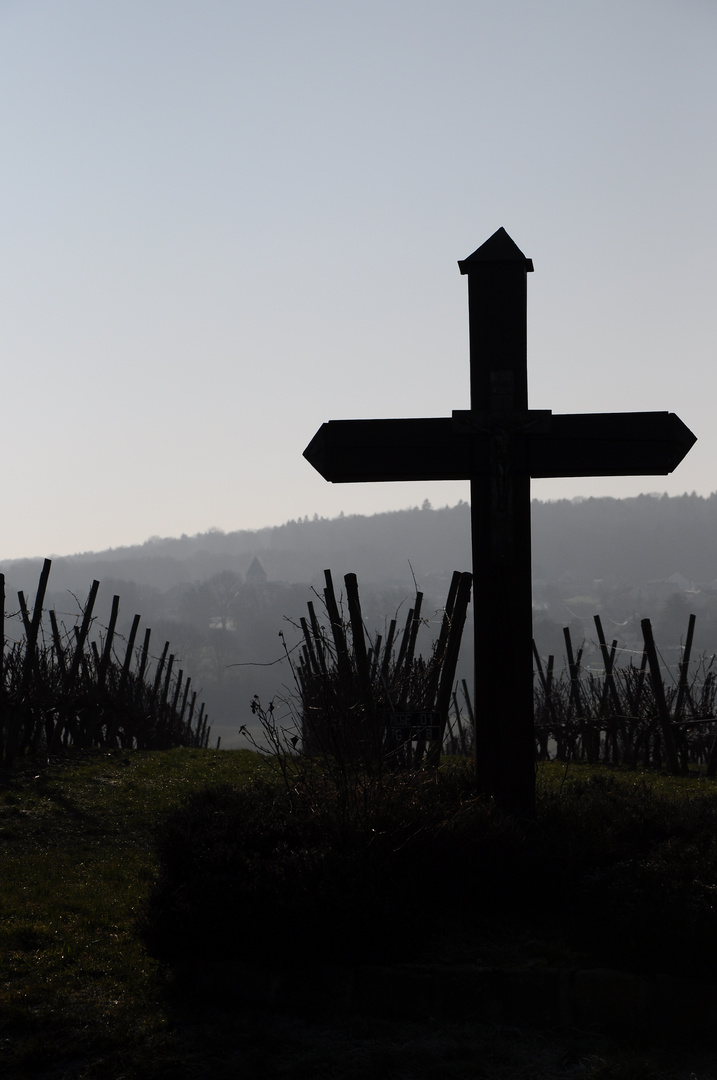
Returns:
(499, 444)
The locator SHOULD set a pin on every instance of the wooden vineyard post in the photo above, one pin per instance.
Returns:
(547, 710)
(371, 737)
(309, 646)
(82, 635)
(449, 660)
(177, 689)
(32, 626)
(57, 642)
(185, 695)
(128, 652)
(359, 638)
(611, 694)
(107, 651)
(658, 690)
(575, 702)
(144, 656)
(684, 668)
(316, 631)
(337, 630)
(165, 690)
(158, 673)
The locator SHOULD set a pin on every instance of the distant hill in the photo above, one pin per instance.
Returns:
(646, 538)
(633, 540)
(377, 548)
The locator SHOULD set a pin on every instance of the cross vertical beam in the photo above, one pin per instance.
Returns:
(500, 525)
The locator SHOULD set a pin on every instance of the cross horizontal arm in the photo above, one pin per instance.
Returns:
(447, 448)
(611, 444)
(346, 451)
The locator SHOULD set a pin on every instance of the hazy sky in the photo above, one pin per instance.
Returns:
(225, 222)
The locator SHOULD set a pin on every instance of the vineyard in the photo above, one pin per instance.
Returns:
(361, 698)
(368, 702)
(634, 714)
(84, 687)
(376, 699)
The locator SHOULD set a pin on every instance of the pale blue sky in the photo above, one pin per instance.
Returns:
(223, 223)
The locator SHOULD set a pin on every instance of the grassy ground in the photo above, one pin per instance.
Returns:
(79, 997)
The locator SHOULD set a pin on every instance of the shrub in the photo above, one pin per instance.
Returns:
(261, 874)
(615, 871)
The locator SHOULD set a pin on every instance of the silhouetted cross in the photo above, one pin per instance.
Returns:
(499, 444)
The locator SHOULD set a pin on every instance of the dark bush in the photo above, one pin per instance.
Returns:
(612, 873)
(639, 871)
(264, 874)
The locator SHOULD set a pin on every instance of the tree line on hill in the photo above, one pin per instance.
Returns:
(648, 537)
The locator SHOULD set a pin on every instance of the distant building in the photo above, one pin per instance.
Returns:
(256, 574)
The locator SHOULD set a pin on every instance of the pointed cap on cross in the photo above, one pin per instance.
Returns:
(498, 248)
